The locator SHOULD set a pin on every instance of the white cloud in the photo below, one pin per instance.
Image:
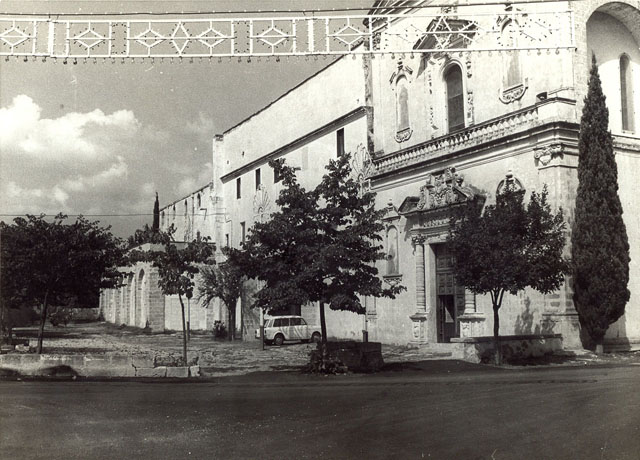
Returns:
(72, 136)
(194, 181)
(106, 164)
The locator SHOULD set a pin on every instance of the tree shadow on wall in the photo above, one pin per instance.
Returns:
(525, 322)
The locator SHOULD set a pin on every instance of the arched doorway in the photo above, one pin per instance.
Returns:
(133, 294)
(613, 36)
(142, 300)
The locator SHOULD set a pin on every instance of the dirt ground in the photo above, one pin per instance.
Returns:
(221, 358)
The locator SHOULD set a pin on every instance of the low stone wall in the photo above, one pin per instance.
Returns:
(621, 344)
(109, 365)
(84, 314)
(513, 347)
(357, 356)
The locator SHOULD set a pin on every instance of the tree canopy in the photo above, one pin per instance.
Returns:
(177, 268)
(599, 244)
(508, 247)
(321, 245)
(223, 281)
(47, 262)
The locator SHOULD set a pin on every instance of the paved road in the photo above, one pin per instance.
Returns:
(435, 410)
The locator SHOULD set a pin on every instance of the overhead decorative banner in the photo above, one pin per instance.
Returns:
(420, 33)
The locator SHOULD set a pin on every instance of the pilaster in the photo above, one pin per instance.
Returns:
(471, 321)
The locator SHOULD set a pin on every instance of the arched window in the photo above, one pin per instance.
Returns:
(186, 208)
(392, 251)
(455, 98)
(626, 94)
(162, 220)
(199, 201)
(511, 59)
(402, 104)
(173, 211)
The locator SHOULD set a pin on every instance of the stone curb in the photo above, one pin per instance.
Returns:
(91, 366)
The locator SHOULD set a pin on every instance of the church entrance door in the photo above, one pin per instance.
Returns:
(450, 297)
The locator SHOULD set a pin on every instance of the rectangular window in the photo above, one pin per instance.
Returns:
(276, 177)
(243, 229)
(257, 178)
(340, 141)
(226, 239)
(238, 188)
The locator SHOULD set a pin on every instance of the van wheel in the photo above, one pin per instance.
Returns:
(278, 339)
(315, 338)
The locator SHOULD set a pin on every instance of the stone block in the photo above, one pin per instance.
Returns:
(96, 362)
(141, 361)
(194, 371)
(178, 372)
(151, 372)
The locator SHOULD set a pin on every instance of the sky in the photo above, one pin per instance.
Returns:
(101, 139)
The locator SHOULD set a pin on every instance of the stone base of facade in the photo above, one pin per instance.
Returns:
(621, 344)
(419, 328)
(567, 325)
(513, 347)
(471, 324)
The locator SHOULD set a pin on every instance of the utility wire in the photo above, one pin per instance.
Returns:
(288, 11)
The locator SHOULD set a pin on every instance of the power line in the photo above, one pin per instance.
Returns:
(289, 11)
(94, 215)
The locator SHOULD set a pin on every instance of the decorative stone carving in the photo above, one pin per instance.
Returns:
(544, 155)
(470, 109)
(261, 204)
(362, 168)
(419, 327)
(404, 135)
(391, 214)
(418, 239)
(513, 93)
(402, 70)
(509, 180)
(376, 41)
(439, 190)
(392, 280)
(467, 63)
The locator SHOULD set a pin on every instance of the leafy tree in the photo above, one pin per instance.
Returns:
(599, 245)
(48, 263)
(177, 269)
(320, 246)
(507, 248)
(223, 281)
(156, 215)
(147, 234)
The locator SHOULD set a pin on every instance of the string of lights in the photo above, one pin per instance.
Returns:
(202, 38)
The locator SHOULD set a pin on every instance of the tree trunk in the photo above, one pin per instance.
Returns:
(184, 332)
(231, 334)
(599, 346)
(323, 339)
(43, 319)
(323, 326)
(496, 334)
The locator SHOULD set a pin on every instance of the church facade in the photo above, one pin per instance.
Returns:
(427, 131)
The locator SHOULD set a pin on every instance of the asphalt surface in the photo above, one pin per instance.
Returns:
(436, 409)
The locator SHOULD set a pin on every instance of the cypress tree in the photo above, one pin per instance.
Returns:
(156, 215)
(599, 245)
